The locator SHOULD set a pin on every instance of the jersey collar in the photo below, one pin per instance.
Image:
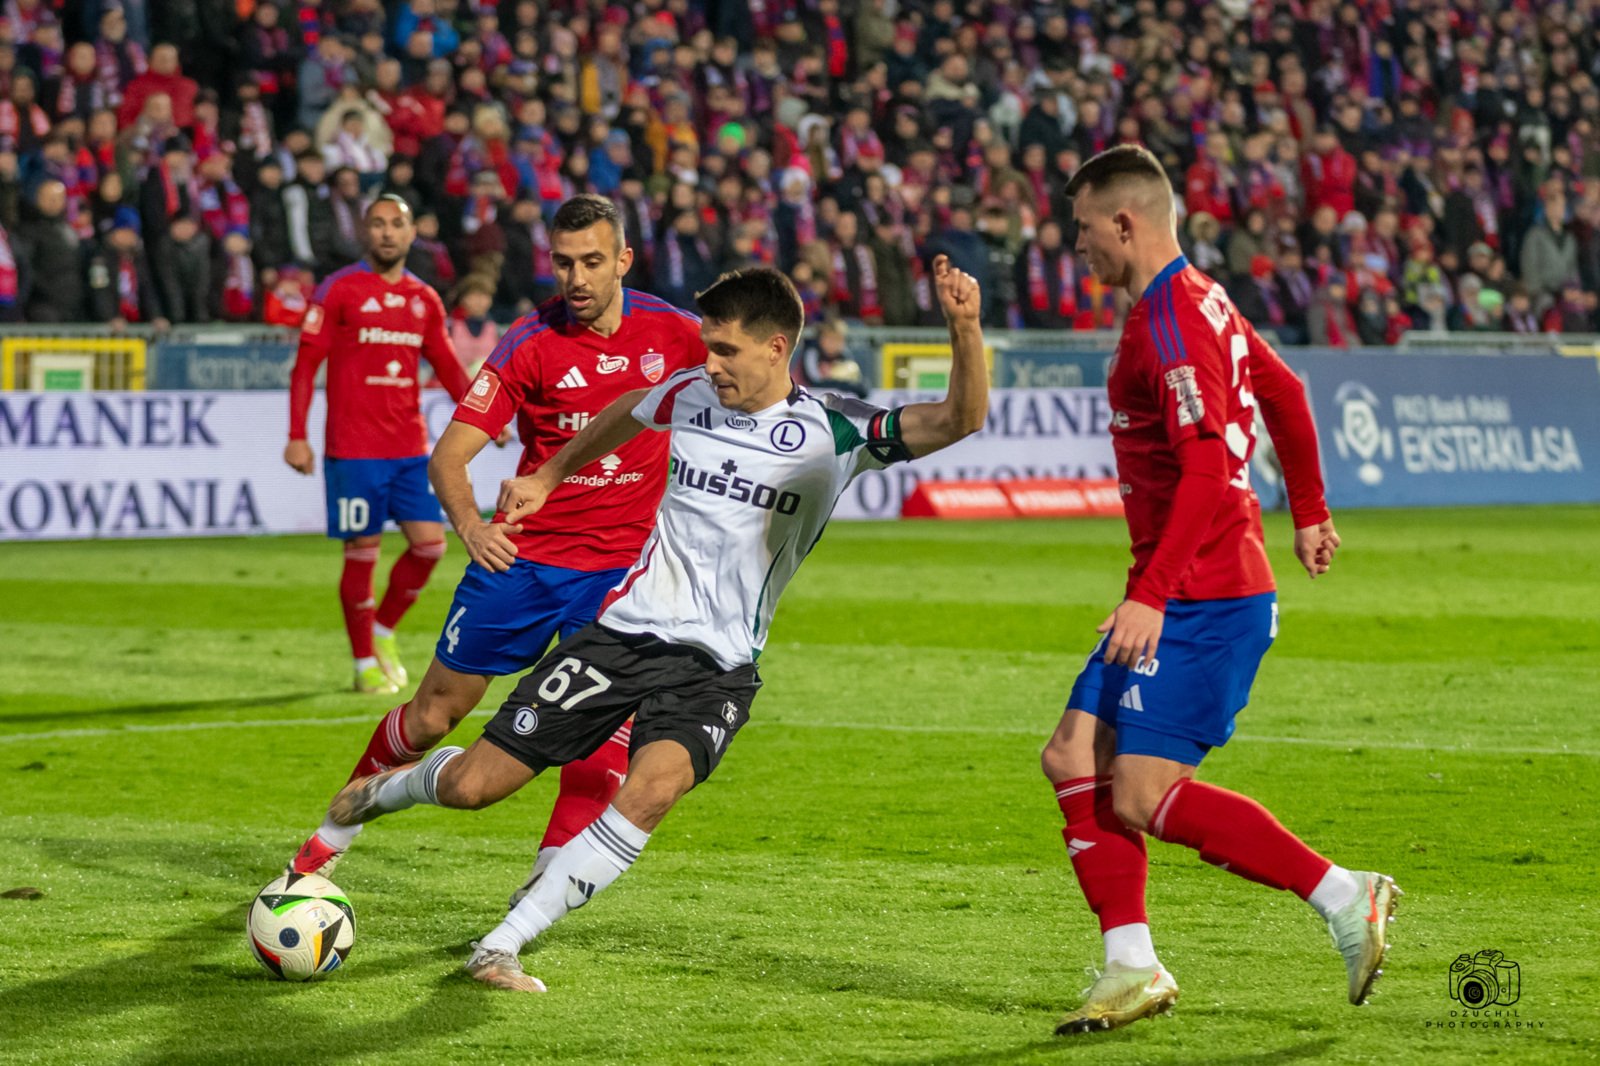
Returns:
(1165, 275)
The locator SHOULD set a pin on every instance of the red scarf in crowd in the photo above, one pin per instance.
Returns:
(94, 95)
(109, 71)
(11, 123)
(838, 50)
(223, 207)
(173, 190)
(1039, 288)
(866, 301)
(544, 271)
(128, 302)
(8, 271)
(239, 289)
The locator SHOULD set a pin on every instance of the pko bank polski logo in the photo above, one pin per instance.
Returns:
(1360, 437)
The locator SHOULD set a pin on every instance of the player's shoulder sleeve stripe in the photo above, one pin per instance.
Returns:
(655, 304)
(320, 295)
(1172, 324)
(1152, 317)
(519, 332)
(669, 399)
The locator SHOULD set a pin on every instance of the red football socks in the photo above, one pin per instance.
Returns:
(1239, 835)
(587, 787)
(406, 579)
(1108, 857)
(387, 748)
(355, 595)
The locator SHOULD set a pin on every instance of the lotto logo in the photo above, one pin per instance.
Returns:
(393, 299)
(611, 364)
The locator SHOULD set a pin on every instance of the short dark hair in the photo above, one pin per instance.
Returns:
(585, 210)
(1114, 166)
(760, 299)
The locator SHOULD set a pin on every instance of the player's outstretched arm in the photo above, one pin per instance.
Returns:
(488, 544)
(605, 433)
(927, 427)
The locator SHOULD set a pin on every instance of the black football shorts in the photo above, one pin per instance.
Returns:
(586, 687)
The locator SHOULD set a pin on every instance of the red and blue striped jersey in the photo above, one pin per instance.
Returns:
(1188, 368)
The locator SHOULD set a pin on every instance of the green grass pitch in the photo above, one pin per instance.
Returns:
(876, 873)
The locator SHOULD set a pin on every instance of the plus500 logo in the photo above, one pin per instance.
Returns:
(737, 489)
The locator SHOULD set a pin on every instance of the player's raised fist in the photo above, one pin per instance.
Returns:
(959, 297)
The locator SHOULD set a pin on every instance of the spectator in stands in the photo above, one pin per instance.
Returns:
(1550, 251)
(472, 331)
(429, 258)
(323, 72)
(183, 271)
(165, 77)
(528, 277)
(823, 363)
(50, 260)
(238, 298)
(311, 222)
(122, 290)
(683, 262)
(352, 147)
(1329, 322)
(855, 272)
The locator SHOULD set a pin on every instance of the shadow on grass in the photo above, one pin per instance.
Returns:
(234, 1012)
(242, 703)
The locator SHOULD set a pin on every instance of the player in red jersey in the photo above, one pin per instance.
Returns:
(1178, 655)
(553, 370)
(371, 321)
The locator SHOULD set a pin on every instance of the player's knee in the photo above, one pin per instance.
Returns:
(1054, 762)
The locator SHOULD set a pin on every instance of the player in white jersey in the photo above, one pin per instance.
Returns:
(757, 466)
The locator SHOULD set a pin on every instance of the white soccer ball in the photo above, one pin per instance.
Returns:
(301, 926)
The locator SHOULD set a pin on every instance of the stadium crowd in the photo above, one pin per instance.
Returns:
(1351, 170)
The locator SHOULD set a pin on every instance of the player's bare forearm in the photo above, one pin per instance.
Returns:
(927, 427)
(447, 470)
(605, 433)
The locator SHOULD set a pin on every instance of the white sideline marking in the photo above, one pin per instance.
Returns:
(882, 727)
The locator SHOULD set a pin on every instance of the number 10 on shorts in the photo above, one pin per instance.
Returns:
(560, 679)
(354, 513)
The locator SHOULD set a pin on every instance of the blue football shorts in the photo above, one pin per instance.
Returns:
(1182, 704)
(365, 493)
(501, 623)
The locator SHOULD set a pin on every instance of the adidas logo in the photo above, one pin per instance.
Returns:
(577, 888)
(371, 306)
(1130, 700)
(703, 419)
(573, 379)
(717, 735)
(1074, 846)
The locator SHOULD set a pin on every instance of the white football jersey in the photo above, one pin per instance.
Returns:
(747, 498)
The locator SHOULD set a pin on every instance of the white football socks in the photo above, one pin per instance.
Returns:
(381, 631)
(1334, 892)
(588, 863)
(366, 662)
(416, 785)
(1130, 945)
(336, 836)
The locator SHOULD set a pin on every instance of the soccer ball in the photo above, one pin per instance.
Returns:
(300, 926)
